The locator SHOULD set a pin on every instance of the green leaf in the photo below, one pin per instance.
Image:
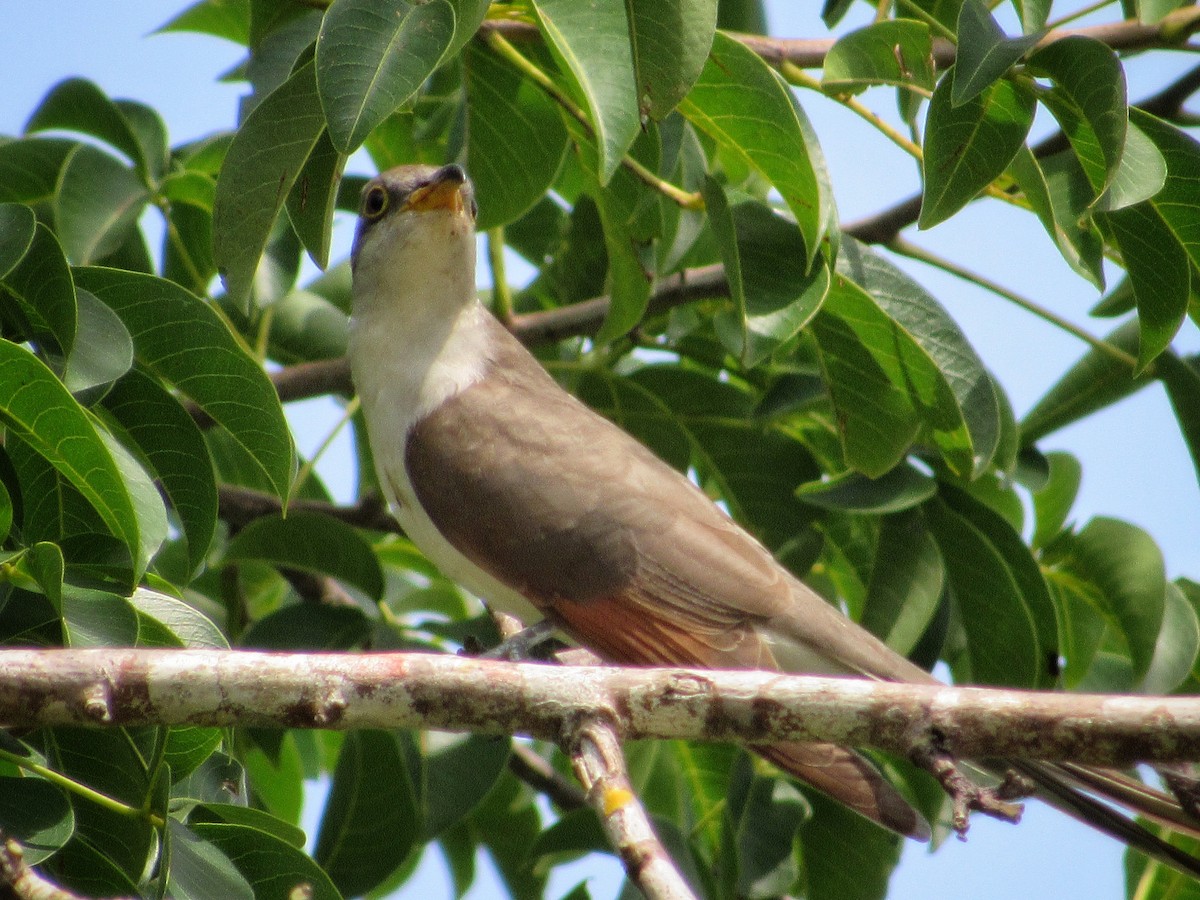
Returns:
(671, 40)
(1182, 382)
(313, 543)
(515, 139)
(370, 824)
(35, 405)
(29, 168)
(1160, 272)
(960, 405)
(311, 201)
(747, 108)
(775, 294)
(905, 587)
(372, 56)
(897, 52)
(199, 870)
(1097, 380)
(18, 224)
(766, 830)
(308, 627)
(180, 339)
(899, 489)
(173, 445)
(271, 866)
(37, 814)
(1127, 565)
(228, 19)
(458, 774)
(188, 624)
(876, 420)
(845, 856)
(261, 166)
(1177, 645)
(1005, 538)
(42, 280)
(969, 144)
(590, 42)
(93, 618)
(1179, 198)
(1002, 635)
(1140, 176)
(77, 104)
(985, 53)
(106, 355)
(1088, 100)
(1059, 194)
(1052, 503)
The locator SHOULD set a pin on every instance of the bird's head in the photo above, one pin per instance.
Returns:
(416, 222)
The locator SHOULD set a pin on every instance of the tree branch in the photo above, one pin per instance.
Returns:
(431, 691)
(595, 752)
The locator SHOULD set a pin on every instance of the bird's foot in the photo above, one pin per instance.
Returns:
(966, 796)
(520, 647)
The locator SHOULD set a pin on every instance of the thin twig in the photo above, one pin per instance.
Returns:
(600, 767)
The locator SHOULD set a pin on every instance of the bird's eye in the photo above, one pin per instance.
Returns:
(375, 202)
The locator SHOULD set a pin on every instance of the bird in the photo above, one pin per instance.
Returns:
(545, 509)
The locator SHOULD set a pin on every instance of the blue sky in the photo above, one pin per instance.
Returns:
(1135, 464)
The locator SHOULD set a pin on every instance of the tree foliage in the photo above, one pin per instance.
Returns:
(823, 395)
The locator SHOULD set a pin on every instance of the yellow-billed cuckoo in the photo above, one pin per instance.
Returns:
(543, 508)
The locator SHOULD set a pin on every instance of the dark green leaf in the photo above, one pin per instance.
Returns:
(370, 824)
(457, 776)
(958, 399)
(77, 104)
(228, 19)
(272, 867)
(1179, 198)
(188, 624)
(198, 870)
(591, 45)
(1127, 566)
(105, 355)
(310, 542)
(1002, 634)
(18, 225)
(308, 627)
(1088, 100)
(898, 489)
(671, 40)
(182, 340)
(515, 139)
(1182, 381)
(263, 163)
(42, 280)
(1140, 176)
(845, 856)
(36, 406)
(37, 814)
(969, 144)
(1160, 272)
(173, 445)
(898, 52)
(372, 56)
(311, 201)
(985, 53)
(93, 618)
(1052, 503)
(747, 108)
(906, 582)
(766, 830)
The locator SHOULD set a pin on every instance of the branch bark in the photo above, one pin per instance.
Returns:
(429, 691)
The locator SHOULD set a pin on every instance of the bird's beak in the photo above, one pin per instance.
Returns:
(444, 191)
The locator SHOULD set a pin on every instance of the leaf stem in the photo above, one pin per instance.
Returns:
(1076, 15)
(306, 469)
(502, 47)
(912, 251)
(502, 300)
(81, 790)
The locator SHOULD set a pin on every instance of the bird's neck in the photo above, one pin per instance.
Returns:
(418, 334)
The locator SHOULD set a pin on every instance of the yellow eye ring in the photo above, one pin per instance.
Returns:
(374, 202)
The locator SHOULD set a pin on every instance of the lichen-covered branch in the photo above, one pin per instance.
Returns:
(411, 690)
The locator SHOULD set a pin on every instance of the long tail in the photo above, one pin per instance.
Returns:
(1059, 786)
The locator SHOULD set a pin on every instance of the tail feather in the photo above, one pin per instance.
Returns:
(850, 779)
